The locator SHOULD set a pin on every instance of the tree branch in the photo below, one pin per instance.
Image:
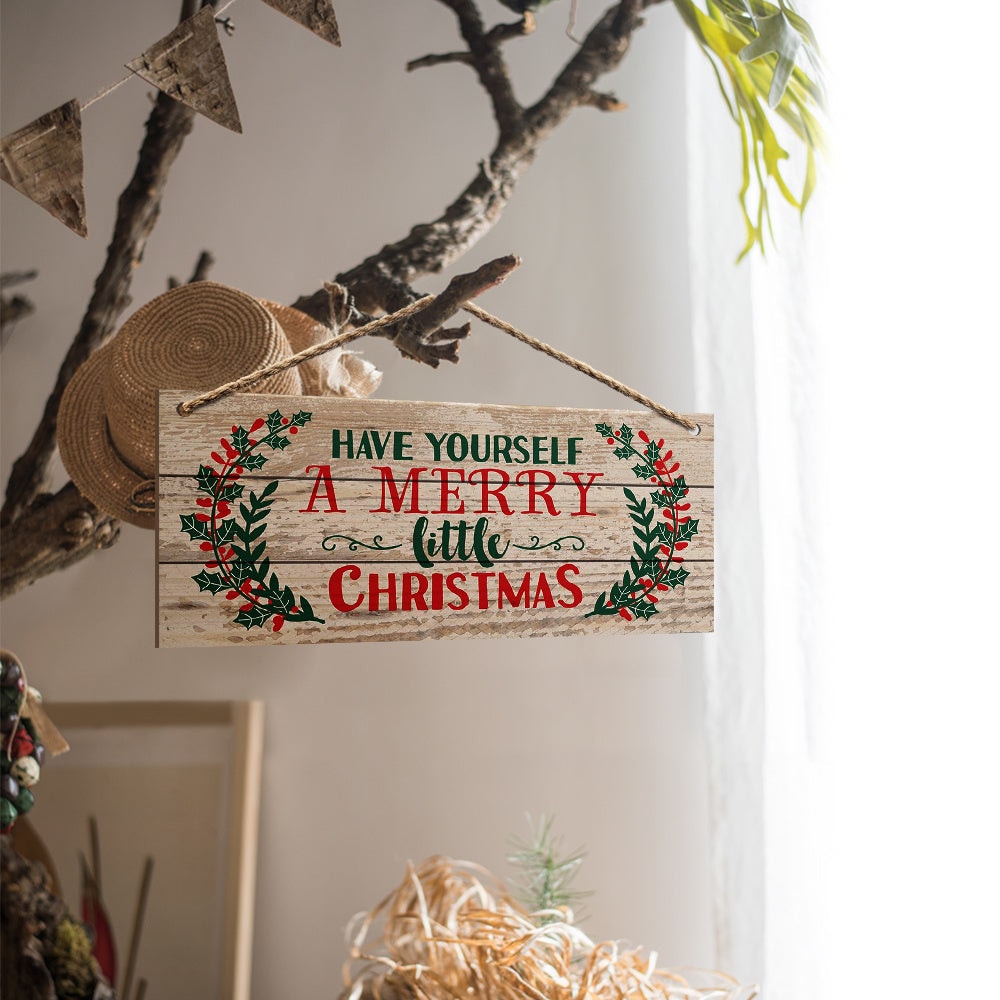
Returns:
(383, 281)
(42, 532)
(138, 210)
(53, 533)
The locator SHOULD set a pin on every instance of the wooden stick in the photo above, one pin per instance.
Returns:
(95, 855)
(136, 937)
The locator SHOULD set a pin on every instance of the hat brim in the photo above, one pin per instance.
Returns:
(87, 452)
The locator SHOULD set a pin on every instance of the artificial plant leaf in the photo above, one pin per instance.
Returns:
(775, 34)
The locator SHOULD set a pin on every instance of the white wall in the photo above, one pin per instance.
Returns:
(376, 754)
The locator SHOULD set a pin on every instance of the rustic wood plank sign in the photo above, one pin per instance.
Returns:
(313, 519)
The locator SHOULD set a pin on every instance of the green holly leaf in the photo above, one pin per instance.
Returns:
(652, 452)
(687, 530)
(241, 439)
(253, 617)
(676, 577)
(678, 489)
(211, 581)
(660, 499)
(643, 471)
(626, 433)
(604, 430)
(225, 530)
(301, 418)
(198, 530)
(207, 479)
(623, 452)
(274, 420)
(645, 610)
(254, 462)
(279, 443)
(230, 493)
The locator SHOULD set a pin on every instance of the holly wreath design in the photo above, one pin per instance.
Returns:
(22, 754)
(238, 566)
(655, 566)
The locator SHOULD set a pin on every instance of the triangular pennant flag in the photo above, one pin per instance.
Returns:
(189, 66)
(44, 160)
(316, 15)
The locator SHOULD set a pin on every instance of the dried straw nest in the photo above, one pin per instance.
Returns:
(451, 932)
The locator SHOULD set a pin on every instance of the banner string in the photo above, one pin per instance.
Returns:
(248, 381)
(111, 87)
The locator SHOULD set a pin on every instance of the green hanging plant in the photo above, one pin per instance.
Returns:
(757, 49)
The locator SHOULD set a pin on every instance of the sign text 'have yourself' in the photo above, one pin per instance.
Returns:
(309, 519)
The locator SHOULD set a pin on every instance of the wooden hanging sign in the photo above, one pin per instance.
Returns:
(314, 519)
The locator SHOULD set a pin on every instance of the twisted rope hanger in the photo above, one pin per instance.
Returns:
(252, 379)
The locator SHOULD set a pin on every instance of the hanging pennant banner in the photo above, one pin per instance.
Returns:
(188, 65)
(311, 519)
(44, 160)
(316, 15)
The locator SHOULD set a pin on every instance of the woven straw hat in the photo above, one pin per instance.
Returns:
(196, 337)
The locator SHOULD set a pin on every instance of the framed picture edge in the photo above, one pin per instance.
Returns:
(246, 719)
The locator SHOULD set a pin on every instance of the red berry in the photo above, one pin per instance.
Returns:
(206, 546)
(611, 440)
(293, 430)
(284, 420)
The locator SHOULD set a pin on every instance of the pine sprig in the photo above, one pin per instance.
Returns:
(656, 543)
(544, 873)
(239, 566)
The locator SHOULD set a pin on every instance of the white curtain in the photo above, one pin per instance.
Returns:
(853, 679)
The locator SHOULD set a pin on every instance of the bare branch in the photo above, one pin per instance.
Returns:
(383, 281)
(439, 60)
(53, 533)
(14, 308)
(138, 210)
(11, 278)
(202, 267)
(485, 52)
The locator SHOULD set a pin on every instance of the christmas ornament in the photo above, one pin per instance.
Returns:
(23, 753)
